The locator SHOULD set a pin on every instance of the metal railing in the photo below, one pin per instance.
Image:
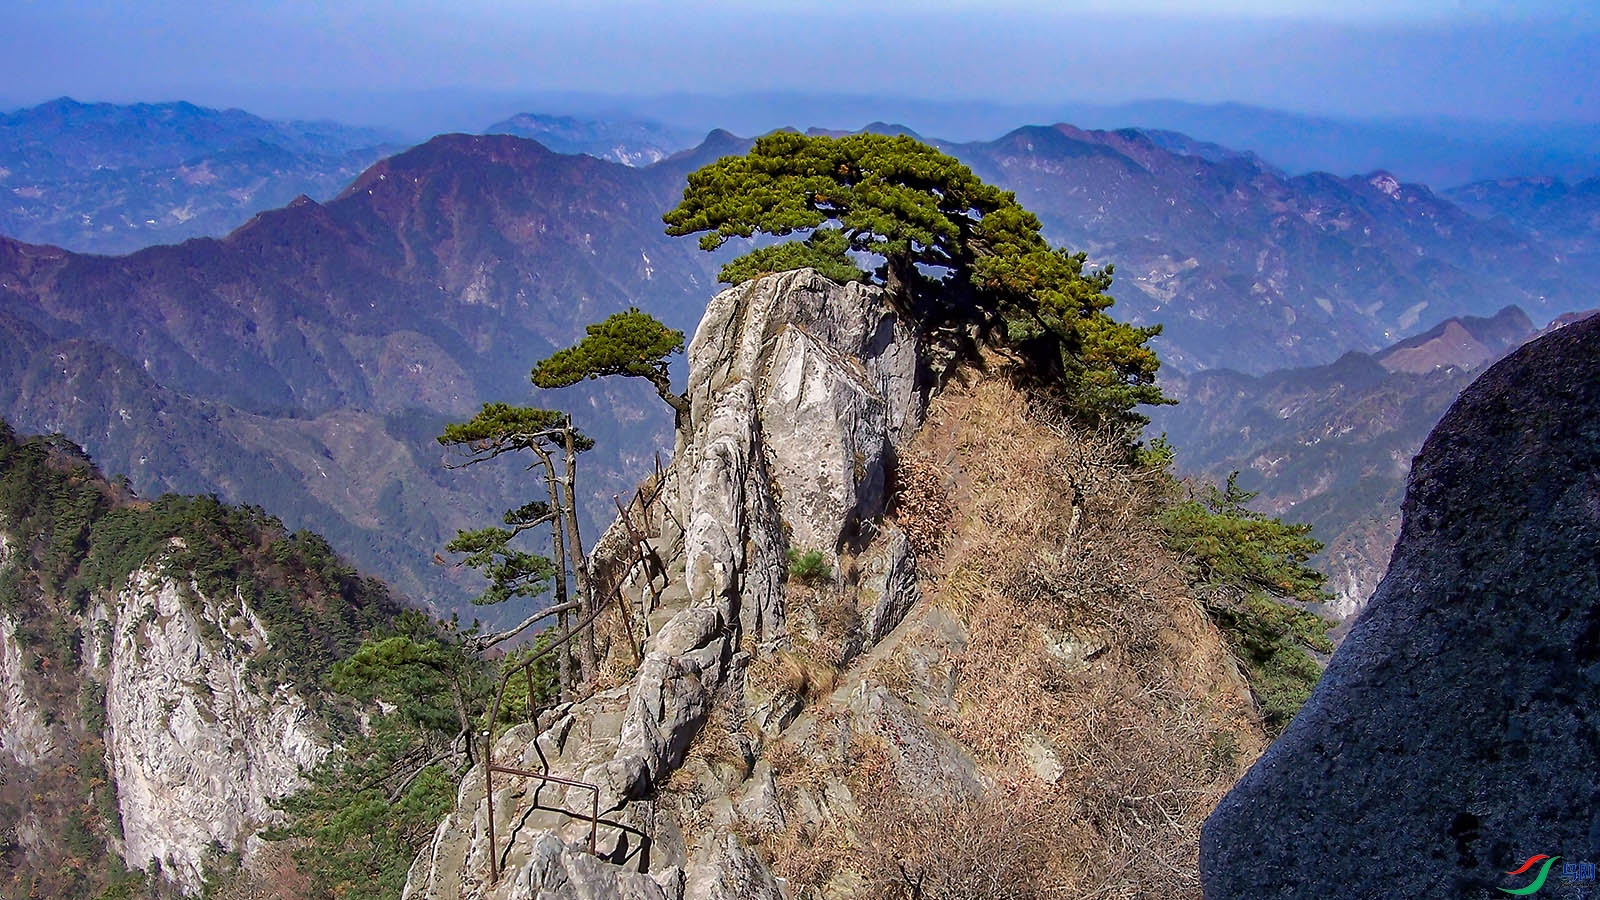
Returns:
(615, 571)
(639, 550)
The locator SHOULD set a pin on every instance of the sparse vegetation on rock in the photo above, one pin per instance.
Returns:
(808, 566)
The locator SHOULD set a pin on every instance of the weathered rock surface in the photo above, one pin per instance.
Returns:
(197, 752)
(1457, 731)
(800, 389)
(24, 736)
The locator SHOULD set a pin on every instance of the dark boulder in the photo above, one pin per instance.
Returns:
(1457, 731)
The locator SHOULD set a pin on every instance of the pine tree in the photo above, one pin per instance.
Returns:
(956, 252)
(548, 435)
(631, 343)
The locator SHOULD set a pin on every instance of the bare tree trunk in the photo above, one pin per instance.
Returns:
(899, 279)
(557, 532)
(580, 565)
(678, 402)
(481, 642)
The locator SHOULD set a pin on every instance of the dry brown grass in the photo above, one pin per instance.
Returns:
(895, 673)
(905, 847)
(957, 848)
(1023, 528)
(1053, 528)
(810, 855)
(922, 501)
(838, 619)
(721, 744)
(794, 673)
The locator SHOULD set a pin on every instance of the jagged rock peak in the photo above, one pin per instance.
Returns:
(800, 390)
(1453, 735)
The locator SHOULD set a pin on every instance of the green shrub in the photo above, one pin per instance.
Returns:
(826, 251)
(1251, 575)
(808, 567)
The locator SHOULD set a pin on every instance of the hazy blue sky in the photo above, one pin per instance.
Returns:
(1499, 59)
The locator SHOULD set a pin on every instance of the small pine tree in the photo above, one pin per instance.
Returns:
(631, 343)
(1252, 574)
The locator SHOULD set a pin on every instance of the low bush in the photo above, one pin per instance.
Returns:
(809, 566)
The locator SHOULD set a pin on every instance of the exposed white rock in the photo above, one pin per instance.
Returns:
(832, 380)
(728, 870)
(556, 871)
(890, 581)
(198, 754)
(24, 735)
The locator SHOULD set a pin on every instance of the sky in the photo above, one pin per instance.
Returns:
(387, 62)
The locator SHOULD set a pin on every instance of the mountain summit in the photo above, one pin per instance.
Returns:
(879, 651)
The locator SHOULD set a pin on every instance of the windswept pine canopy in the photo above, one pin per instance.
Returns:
(955, 251)
(627, 343)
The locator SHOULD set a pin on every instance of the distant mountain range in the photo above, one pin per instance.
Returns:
(1438, 151)
(632, 143)
(1332, 445)
(305, 361)
(103, 178)
(1565, 216)
(1441, 152)
(1251, 269)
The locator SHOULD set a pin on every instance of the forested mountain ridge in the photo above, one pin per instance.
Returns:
(307, 360)
(1332, 445)
(809, 534)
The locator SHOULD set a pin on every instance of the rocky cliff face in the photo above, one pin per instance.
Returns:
(158, 668)
(198, 749)
(799, 391)
(777, 732)
(1453, 736)
(195, 746)
(24, 737)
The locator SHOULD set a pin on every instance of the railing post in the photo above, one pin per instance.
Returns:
(634, 557)
(488, 773)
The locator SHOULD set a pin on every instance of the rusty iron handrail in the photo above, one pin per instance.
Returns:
(489, 765)
(594, 809)
(614, 587)
(613, 575)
